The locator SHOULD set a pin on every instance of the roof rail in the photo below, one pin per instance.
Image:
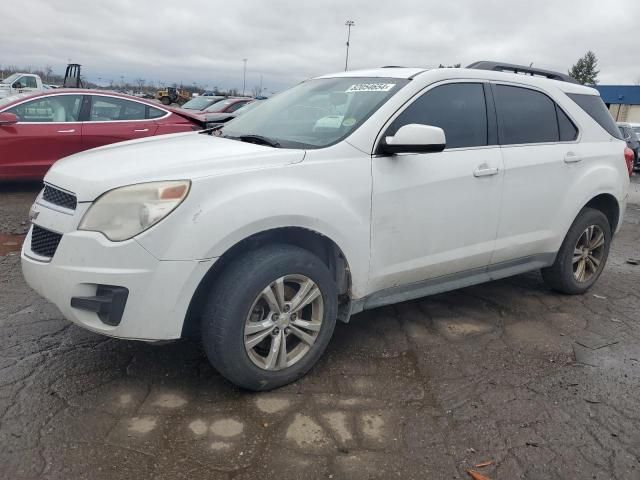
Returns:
(510, 67)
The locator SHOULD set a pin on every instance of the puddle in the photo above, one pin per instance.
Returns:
(10, 243)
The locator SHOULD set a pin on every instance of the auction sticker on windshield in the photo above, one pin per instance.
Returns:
(370, 87)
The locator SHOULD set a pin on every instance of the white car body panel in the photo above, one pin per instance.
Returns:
(399, 220)
(7, 90)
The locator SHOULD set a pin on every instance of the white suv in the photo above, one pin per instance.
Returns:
(344, 193)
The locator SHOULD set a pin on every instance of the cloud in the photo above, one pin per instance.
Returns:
(288, 41)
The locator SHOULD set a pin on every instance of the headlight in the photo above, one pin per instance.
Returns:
(125, 212)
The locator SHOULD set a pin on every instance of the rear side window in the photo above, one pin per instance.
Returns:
(568, 130)
(105, 109)
(525, 116)
(595, 107)
(458, 108)
(29, 82)
(153, 112)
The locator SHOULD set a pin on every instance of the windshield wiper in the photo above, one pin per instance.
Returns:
(259, 139)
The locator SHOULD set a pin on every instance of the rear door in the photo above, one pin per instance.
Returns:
(540, 152)
(113, 119)
(48, 129)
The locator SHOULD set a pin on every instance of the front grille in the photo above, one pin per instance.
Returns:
(58, 197)
(44, 242)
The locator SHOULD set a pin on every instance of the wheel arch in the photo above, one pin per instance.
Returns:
(318, 244)
(609, 206)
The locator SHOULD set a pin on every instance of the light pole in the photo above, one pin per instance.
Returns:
(349, 24)
(244, 76)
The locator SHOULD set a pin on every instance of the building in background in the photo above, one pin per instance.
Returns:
(623, 101)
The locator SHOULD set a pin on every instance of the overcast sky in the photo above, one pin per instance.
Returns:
(205, 41)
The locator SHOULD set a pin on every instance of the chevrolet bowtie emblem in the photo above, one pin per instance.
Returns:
(33, 213)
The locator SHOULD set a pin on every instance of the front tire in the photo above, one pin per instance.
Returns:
(583, 254)
(269, 317)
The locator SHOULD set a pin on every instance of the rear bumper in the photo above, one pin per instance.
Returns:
(159, 292)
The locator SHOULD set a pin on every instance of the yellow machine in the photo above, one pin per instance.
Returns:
(173, 95)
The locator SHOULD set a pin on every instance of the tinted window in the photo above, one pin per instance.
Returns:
(568, 130)
(459, 109)
(525, 116)
(104, 109)
(595, 107)
(153, 112)
(56, 108)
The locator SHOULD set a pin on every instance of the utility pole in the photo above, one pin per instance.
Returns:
(244, 76)
(349, 24)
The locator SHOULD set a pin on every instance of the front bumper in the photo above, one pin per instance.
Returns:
(159, 292)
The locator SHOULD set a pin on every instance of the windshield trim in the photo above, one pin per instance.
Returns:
(293, 144)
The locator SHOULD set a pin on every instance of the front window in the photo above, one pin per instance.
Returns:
(316, 113)
(56, 108)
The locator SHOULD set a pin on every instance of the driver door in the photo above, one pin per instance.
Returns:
(436, 214)
(47, 130)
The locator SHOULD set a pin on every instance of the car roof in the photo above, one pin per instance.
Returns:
(384, 72)
(85, 91)
(466, 73)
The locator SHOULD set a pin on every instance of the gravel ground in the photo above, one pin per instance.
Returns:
(541, 385)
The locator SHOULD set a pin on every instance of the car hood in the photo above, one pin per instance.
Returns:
(168, 157)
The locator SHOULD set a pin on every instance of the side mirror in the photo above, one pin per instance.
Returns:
(415, 138)
(8, 118)
(17, 85)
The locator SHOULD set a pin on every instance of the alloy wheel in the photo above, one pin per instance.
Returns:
(283, 322)
(588, 253)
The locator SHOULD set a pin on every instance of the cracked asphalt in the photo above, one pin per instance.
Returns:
(541, 385)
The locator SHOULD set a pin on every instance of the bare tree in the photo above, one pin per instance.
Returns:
(48, 70)
(257, 91)
(140, 82)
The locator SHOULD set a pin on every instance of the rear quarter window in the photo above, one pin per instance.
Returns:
(595, 107)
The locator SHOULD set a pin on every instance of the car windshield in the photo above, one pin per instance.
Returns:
(10, 78)
(637, 131)
(316, 113)
(200, 103)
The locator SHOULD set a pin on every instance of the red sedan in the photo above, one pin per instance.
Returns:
(36, 130)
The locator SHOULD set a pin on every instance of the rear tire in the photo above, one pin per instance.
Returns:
(165, 101)
(256, 295)
(583, 254)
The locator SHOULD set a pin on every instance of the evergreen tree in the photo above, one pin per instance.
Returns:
(584, 71)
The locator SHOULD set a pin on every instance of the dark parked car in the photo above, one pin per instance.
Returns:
(214, 119)
(633, 142)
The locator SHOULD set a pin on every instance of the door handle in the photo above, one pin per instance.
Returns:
(485, 170)
(572, 157)
(142, 130)
(67, 131)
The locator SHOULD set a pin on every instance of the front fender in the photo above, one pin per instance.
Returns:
(222, 211)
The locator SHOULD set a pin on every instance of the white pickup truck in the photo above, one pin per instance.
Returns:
(20, 83)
